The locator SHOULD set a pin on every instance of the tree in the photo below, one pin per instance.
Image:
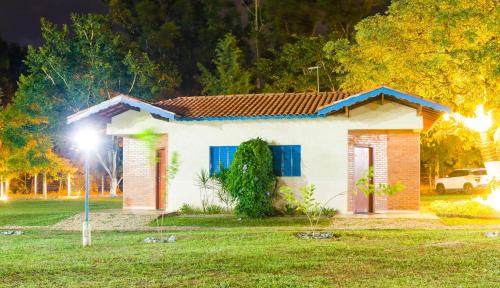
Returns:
(177, 34)
(443, 50)
(251, 178)
(81, 65)
(288, 69)
(229, 77)
(11, 67)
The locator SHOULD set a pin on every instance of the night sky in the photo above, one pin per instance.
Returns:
(20, 19)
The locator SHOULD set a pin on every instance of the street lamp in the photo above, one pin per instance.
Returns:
(87, 140)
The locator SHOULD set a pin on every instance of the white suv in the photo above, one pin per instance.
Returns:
(463, 179)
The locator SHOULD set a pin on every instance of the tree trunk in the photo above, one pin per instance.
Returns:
(45, 185)
(69, 184)
(1, 188)
(111, 167)
(102, 185)
(113, 186)
(35, 182)
(6, 192)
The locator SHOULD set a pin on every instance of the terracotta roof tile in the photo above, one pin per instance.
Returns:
(267, 104)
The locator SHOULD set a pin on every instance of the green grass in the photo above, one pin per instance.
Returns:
(47, 212)
(426, 200)
(233, 221)
(242, 257)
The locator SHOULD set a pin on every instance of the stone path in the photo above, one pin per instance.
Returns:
(111, 220)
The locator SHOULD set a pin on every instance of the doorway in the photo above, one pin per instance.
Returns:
(363, 159)
(161, 175)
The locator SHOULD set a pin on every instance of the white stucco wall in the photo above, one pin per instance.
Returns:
(323, 142)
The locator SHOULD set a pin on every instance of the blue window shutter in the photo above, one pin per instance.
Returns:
(214, 159)
(276, 151)
(296, 159)
(221, 155)
(287, 160)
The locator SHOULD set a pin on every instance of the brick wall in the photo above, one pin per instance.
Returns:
(404, 166)
(139, 175)
(396, 157)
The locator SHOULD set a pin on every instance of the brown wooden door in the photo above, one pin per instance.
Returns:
(362, 162)
(161, 178)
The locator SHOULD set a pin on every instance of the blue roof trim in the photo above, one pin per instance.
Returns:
(263, 117)
(120, 99)
(374, 93)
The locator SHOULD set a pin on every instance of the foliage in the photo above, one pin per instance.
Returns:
(11, 67)
(220, 184)
(251, 179)
(203, 182)
(177, 34)
(366, 186)
(306, 204)
(210, 209)
(229, 77)
(173, 166)
(440, 49)
(288, 70)
(463, 208)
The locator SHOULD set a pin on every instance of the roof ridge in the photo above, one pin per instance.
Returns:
(272, 94)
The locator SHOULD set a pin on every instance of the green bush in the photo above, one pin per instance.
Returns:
(215, 209)
(465, 208)
(209, 209)
(328, 212)
(189, 209)
(251, 179)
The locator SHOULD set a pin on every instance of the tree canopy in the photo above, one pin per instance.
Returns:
(444, 50)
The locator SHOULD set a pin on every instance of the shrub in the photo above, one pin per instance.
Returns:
(465, 208)
(307, 204)
(250, 179)
(189, 209)
(215, 209)
(328, 212)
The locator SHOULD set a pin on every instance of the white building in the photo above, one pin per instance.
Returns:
(328, 139)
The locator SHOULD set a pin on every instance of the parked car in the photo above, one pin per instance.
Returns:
(463, 179)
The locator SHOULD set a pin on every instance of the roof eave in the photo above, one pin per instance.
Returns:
(121, 99)
(363, 96)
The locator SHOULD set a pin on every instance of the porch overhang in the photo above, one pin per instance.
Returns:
(117, 105)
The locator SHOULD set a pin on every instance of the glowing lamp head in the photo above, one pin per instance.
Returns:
(86, 139)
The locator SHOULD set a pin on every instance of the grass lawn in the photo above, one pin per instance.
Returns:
(47, 212)
(233, 221)
(243, 257)
(426, 200)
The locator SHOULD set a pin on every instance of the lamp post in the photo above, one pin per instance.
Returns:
(86, 139)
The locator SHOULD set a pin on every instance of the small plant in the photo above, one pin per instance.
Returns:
(173, 166)
(220, 186)
(189, 209)
(307, 204)
(215, 209)
(328, 212)
(203, 182)
(365, 184)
